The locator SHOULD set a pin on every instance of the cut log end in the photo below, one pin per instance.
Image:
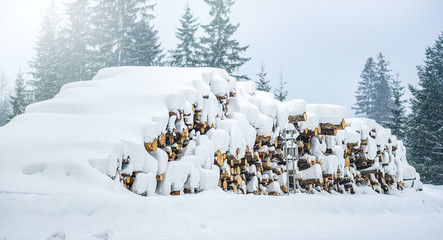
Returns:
(159, 178)
(219, 158)
(151, 146)
(175, 193)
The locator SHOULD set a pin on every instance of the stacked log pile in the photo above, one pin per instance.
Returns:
(174, 131)
(241, 131)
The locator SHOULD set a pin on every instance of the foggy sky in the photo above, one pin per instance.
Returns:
(321, 46)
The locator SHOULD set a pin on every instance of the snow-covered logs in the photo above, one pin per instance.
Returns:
(174, 131)
(336, 154)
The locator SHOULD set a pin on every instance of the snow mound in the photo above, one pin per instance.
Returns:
(65, 144)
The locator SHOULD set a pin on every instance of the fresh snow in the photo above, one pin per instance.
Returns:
(218, 215)
(328, 113)
(60, 157)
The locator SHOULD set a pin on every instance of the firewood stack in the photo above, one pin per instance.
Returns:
(241, 131)
(175, 131)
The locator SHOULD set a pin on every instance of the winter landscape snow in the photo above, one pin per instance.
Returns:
(219, 215)
(110, 132)
(63, 175)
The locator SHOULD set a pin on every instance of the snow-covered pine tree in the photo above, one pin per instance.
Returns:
(364, 96)
(20, 99)
(106, 32)
(79, 64)
(123, 33)
(219, 49)
(262, 83)
(186, 53)
(4, 103)
(425, 123)
(382, 90)
(373, 96)
(48, 69)
(145, 48)
(280, 92)
(397, 116)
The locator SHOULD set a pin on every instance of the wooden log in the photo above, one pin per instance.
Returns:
(348, 162)
(197, 117)
(312, 133)
(126, 160)
(231, 158)
(326, 177)
(151, 146)
(243, 162)
(264, 181)
(169, 138)
(258, 144)
(298, 118)
(187, 191)
(365, 142)
(311, 181)
(238, 179)
(159, 178)
(184, 134)
(172, 114)
(225, 173)
(222, 97)
(203, 127)
(266, 163)
(232, 171)
(173, 156)
(162, 140)
(328, 132)
(284, 188)
(219, 158)
(232, 187)
(340, 126)
(263, 138)
(176, 147)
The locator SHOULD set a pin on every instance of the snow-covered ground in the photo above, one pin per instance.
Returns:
(215, 214)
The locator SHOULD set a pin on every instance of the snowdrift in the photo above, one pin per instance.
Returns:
(159, 130)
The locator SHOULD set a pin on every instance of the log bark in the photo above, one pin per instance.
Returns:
(297, 118)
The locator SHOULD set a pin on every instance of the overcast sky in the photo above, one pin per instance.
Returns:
(321, 45)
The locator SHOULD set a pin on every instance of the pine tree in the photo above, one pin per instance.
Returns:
(373, 96)
(219, 49)
(262, 83)
(425, 123)
(364, 95)
(145, 48)
(47, 68)
(4, 103)
(20, 100)
(124, 34)
(397, 111)
(79, 64)
(186, 53)
(382, 90)
(280, 93)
